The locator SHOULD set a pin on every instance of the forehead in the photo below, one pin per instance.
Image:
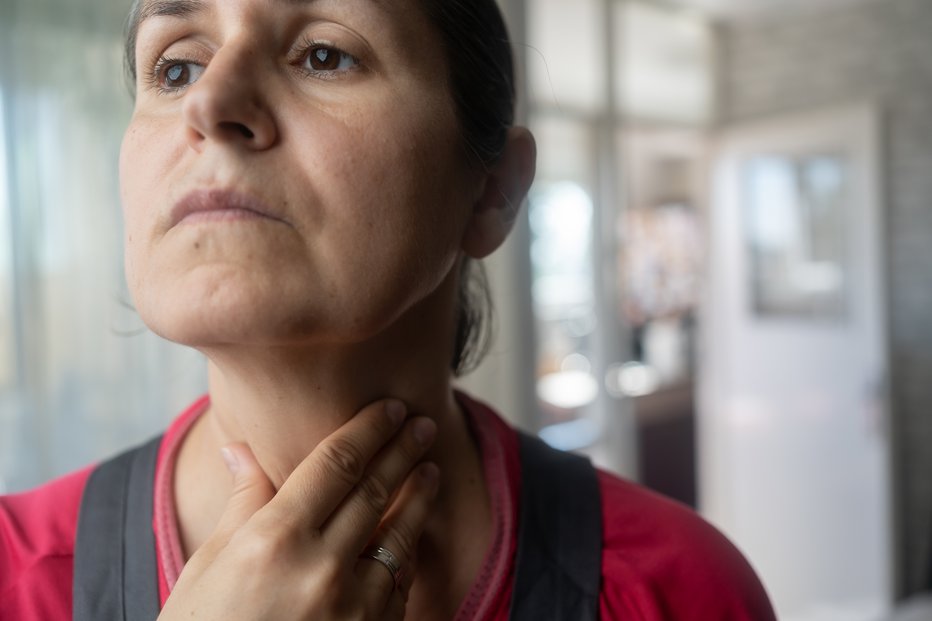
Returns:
(146, 9)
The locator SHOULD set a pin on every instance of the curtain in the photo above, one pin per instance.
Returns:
(80, 376)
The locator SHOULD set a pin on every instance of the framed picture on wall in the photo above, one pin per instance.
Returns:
(793, 211)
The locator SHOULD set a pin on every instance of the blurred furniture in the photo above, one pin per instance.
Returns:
(667, 441)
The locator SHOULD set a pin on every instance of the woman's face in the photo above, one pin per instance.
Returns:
(293, 169)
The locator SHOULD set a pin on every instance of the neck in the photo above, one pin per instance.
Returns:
(282, 401)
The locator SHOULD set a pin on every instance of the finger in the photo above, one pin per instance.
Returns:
(400, 532)
(395, 609)
(252, 490)
(321, 482)
(351, 525)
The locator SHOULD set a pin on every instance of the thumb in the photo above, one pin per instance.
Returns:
(251, 489)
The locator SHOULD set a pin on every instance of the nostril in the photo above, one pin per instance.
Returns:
(238, 128)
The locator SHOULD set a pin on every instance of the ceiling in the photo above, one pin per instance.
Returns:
(739, 9)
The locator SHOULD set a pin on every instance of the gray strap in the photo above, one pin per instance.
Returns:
(558, 565)
(559, 559)
(115, 571)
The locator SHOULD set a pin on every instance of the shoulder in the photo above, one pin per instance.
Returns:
(41, 522)
(37, 531)
(661, 560)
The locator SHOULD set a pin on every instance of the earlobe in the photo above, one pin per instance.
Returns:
(506, 186)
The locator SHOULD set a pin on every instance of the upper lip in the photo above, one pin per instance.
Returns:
(216, 199)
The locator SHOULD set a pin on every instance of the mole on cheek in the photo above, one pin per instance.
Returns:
(197, 245)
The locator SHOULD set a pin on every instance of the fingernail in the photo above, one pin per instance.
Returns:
(424, 430)
(229, 458)
(395, 410)
(430, 473)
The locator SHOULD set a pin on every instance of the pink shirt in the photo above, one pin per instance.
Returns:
(659, 560)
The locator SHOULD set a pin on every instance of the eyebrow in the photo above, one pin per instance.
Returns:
(170, 8)
(187, 8)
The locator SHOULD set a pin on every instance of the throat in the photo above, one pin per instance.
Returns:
(456, 538)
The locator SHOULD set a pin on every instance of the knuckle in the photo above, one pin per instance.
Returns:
(325, 586)
(374, 492)
(343, 459)
(329, 575)
(260, 548)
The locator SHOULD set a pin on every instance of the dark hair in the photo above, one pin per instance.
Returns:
(482, 81)
(481, 75)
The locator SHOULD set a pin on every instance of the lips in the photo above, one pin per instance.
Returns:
(219, 205)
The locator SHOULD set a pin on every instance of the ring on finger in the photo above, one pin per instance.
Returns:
(388, 559)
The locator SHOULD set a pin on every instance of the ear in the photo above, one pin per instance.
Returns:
(506, 186)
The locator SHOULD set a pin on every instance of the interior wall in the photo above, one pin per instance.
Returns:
(878, 50)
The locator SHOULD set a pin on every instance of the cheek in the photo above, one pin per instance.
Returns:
(407, 200)
(133, 184)
(130, 191)
(145, 159)
(393, 209)
(406, 171)
(148, 152)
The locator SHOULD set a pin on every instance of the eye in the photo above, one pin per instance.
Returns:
(173, 75)
(326, 59)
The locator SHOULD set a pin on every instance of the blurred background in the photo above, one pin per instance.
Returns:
(717, 291)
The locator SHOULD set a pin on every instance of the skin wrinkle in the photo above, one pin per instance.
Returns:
(170, 8)
(432, 73)
(363, 11)
(208, 243)
(190, 8)
(352, 298)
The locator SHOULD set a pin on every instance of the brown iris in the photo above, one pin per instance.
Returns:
(325, 59)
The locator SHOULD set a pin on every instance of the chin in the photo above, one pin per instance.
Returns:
(204, 321)
(223, 305)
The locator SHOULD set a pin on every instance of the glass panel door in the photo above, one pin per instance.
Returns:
(597, 71)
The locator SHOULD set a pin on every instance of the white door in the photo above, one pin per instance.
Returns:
(794, 452)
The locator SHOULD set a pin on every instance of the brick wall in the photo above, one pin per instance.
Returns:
(878, 49)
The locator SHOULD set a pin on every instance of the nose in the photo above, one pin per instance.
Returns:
(226, 105)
